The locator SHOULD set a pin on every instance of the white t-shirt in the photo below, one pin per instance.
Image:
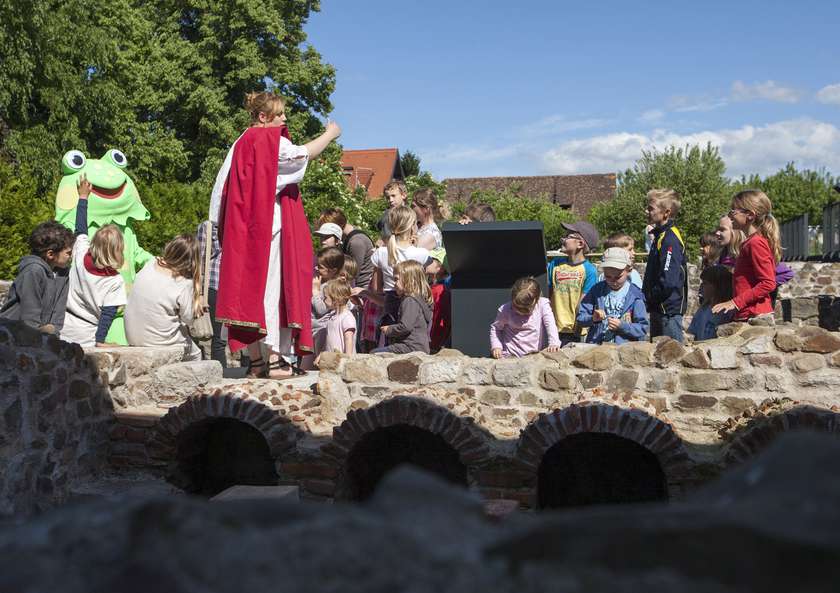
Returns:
(159, 311)
(379, 259)
(88, 293)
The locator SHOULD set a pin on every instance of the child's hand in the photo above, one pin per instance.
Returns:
(497, 352)
(552, 349)
(384, 329)
(317, 360)
(316, 286)
(84, 186)
(357, 291)
(725, 307)
(47, 328)
(613, 323)
(598, 315)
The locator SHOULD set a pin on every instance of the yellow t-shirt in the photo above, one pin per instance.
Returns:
(567, 284)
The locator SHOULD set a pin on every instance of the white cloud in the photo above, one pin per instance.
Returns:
(764, 91)
(688, 103)
(829, 94)
(652, 116)
(748, 149)
(559, 124)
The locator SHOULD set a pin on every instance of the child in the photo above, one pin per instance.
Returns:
(38, 295)
(166, 297)
(330, 264)
(716, 286)
(403, 224)
(354, 243)
(754, 277)
(710, 250)
(330, 235)
(97, 290)
(614, 309)
(525, 324)
(396, 194)
(624, 241)
(666, 275)
(428, 214)
(410, 333)
(340, 323)
(441, 328)
(478, 213)
(349, 270)
(571, 277)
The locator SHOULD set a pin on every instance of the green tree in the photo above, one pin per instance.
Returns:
(410, 164)
(162, 80)
(21, 209)
(794, 192)
(696, 173)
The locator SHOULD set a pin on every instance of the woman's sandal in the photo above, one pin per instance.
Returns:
(255, 364)
(283, 364)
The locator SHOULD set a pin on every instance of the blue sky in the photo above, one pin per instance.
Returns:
(539, 87)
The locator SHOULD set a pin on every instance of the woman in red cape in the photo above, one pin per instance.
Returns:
(265, 277)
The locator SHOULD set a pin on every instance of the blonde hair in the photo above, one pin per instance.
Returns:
(394, 184)
(734, 246)
(338, 290)
(267, 103)
(525, 293)
(426, 198)
(412, 276)
(181, 256)
(107, 247)
(665, 198)
(349, 269)
(403, 223)
(622, 240)
(757, 202)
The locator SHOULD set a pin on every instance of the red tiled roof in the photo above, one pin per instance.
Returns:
(579, 192)
(371, 169)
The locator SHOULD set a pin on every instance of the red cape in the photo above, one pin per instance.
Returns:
(246, 218)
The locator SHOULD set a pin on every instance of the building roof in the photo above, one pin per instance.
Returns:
(578, 192)
(371, 169)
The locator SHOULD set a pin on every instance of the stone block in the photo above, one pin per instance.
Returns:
(823, 342)
(526, 398)
(804, 308)
(835, 359)
(742, 381)
(599, 358)
(696, 359)
(590, 380)
(511, 373)
(691, 401)
(143, 361)
(442, 370)
(775, 383)
(729, 329)
(661, 381)
(504, 412)
(756, 331)
(330, 361)
(622, 380)
(805, 363)
(367, 369)
(668, 351)
(826, 378)
(736, 405)
(495, 397)
(636, 353)
(406, 370)
(767, 360)
(723, 357)
(702, 381)
(555, 380)
(286, 493)
(787, 341)
(79, 389)
(757, 345)
(659, 402)
(477, 372)
(559, 357)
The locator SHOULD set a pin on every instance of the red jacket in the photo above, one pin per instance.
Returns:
(441, 325)
(754, 278)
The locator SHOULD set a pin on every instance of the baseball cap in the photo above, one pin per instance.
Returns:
(585, 230)
(329, 229)
(616, 257)
(440, 255)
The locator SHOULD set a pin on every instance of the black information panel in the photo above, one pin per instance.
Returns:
(485, 259)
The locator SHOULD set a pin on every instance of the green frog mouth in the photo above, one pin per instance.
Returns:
(108, 194)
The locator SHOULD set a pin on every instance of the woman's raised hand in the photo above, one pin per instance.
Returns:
(333, 129)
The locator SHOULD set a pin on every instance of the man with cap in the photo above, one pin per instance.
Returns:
(614, 309)
(330, 235)
(570, 277)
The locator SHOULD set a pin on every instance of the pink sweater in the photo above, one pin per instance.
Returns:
(517, 335)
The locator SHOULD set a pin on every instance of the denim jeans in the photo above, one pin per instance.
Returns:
(666, 325)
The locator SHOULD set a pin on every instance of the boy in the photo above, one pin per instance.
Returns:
(38, 296)
(614, 309)
(666, 275)
(626, 242)
(571, 277)
(440, 329)
(478, 213)
(395, 193)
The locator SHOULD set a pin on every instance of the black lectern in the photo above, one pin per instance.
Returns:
(485, 259)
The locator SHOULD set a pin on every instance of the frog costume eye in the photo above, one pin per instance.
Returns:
(116, 158)
(72, 161)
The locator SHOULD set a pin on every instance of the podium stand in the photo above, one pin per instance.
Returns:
(485, 259)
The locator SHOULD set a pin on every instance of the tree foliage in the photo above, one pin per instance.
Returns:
(794, 192)
(410, 164)
(22, 208)
(696, 173)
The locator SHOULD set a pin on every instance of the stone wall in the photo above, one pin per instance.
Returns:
(54, 419)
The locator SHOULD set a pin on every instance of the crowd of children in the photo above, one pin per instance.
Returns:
(391, 293)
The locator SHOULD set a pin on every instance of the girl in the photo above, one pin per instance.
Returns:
(165, 298)
(340, 323)
(403, 224)
(330, 264)
(428, 214)
(410, 333)
(754, 277)
(349, 270)
(716, 286)
(730, 240)
(710, 249)
(525, 324)
(97, 290)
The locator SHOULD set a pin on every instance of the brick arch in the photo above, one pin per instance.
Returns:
(278, 431)
(633, 424)
(470, 442)
(757, 427)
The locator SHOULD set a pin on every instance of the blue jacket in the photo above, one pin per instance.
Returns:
(634, 317)
(666, 275)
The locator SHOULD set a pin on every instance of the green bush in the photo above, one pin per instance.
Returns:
(794, 192)
(21, 210)
(176, 208)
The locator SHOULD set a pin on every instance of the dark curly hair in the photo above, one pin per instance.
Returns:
(50, 235)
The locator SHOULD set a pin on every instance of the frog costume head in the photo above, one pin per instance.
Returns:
(113, 199)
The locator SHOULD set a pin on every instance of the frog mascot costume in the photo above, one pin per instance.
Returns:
(113, 200)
